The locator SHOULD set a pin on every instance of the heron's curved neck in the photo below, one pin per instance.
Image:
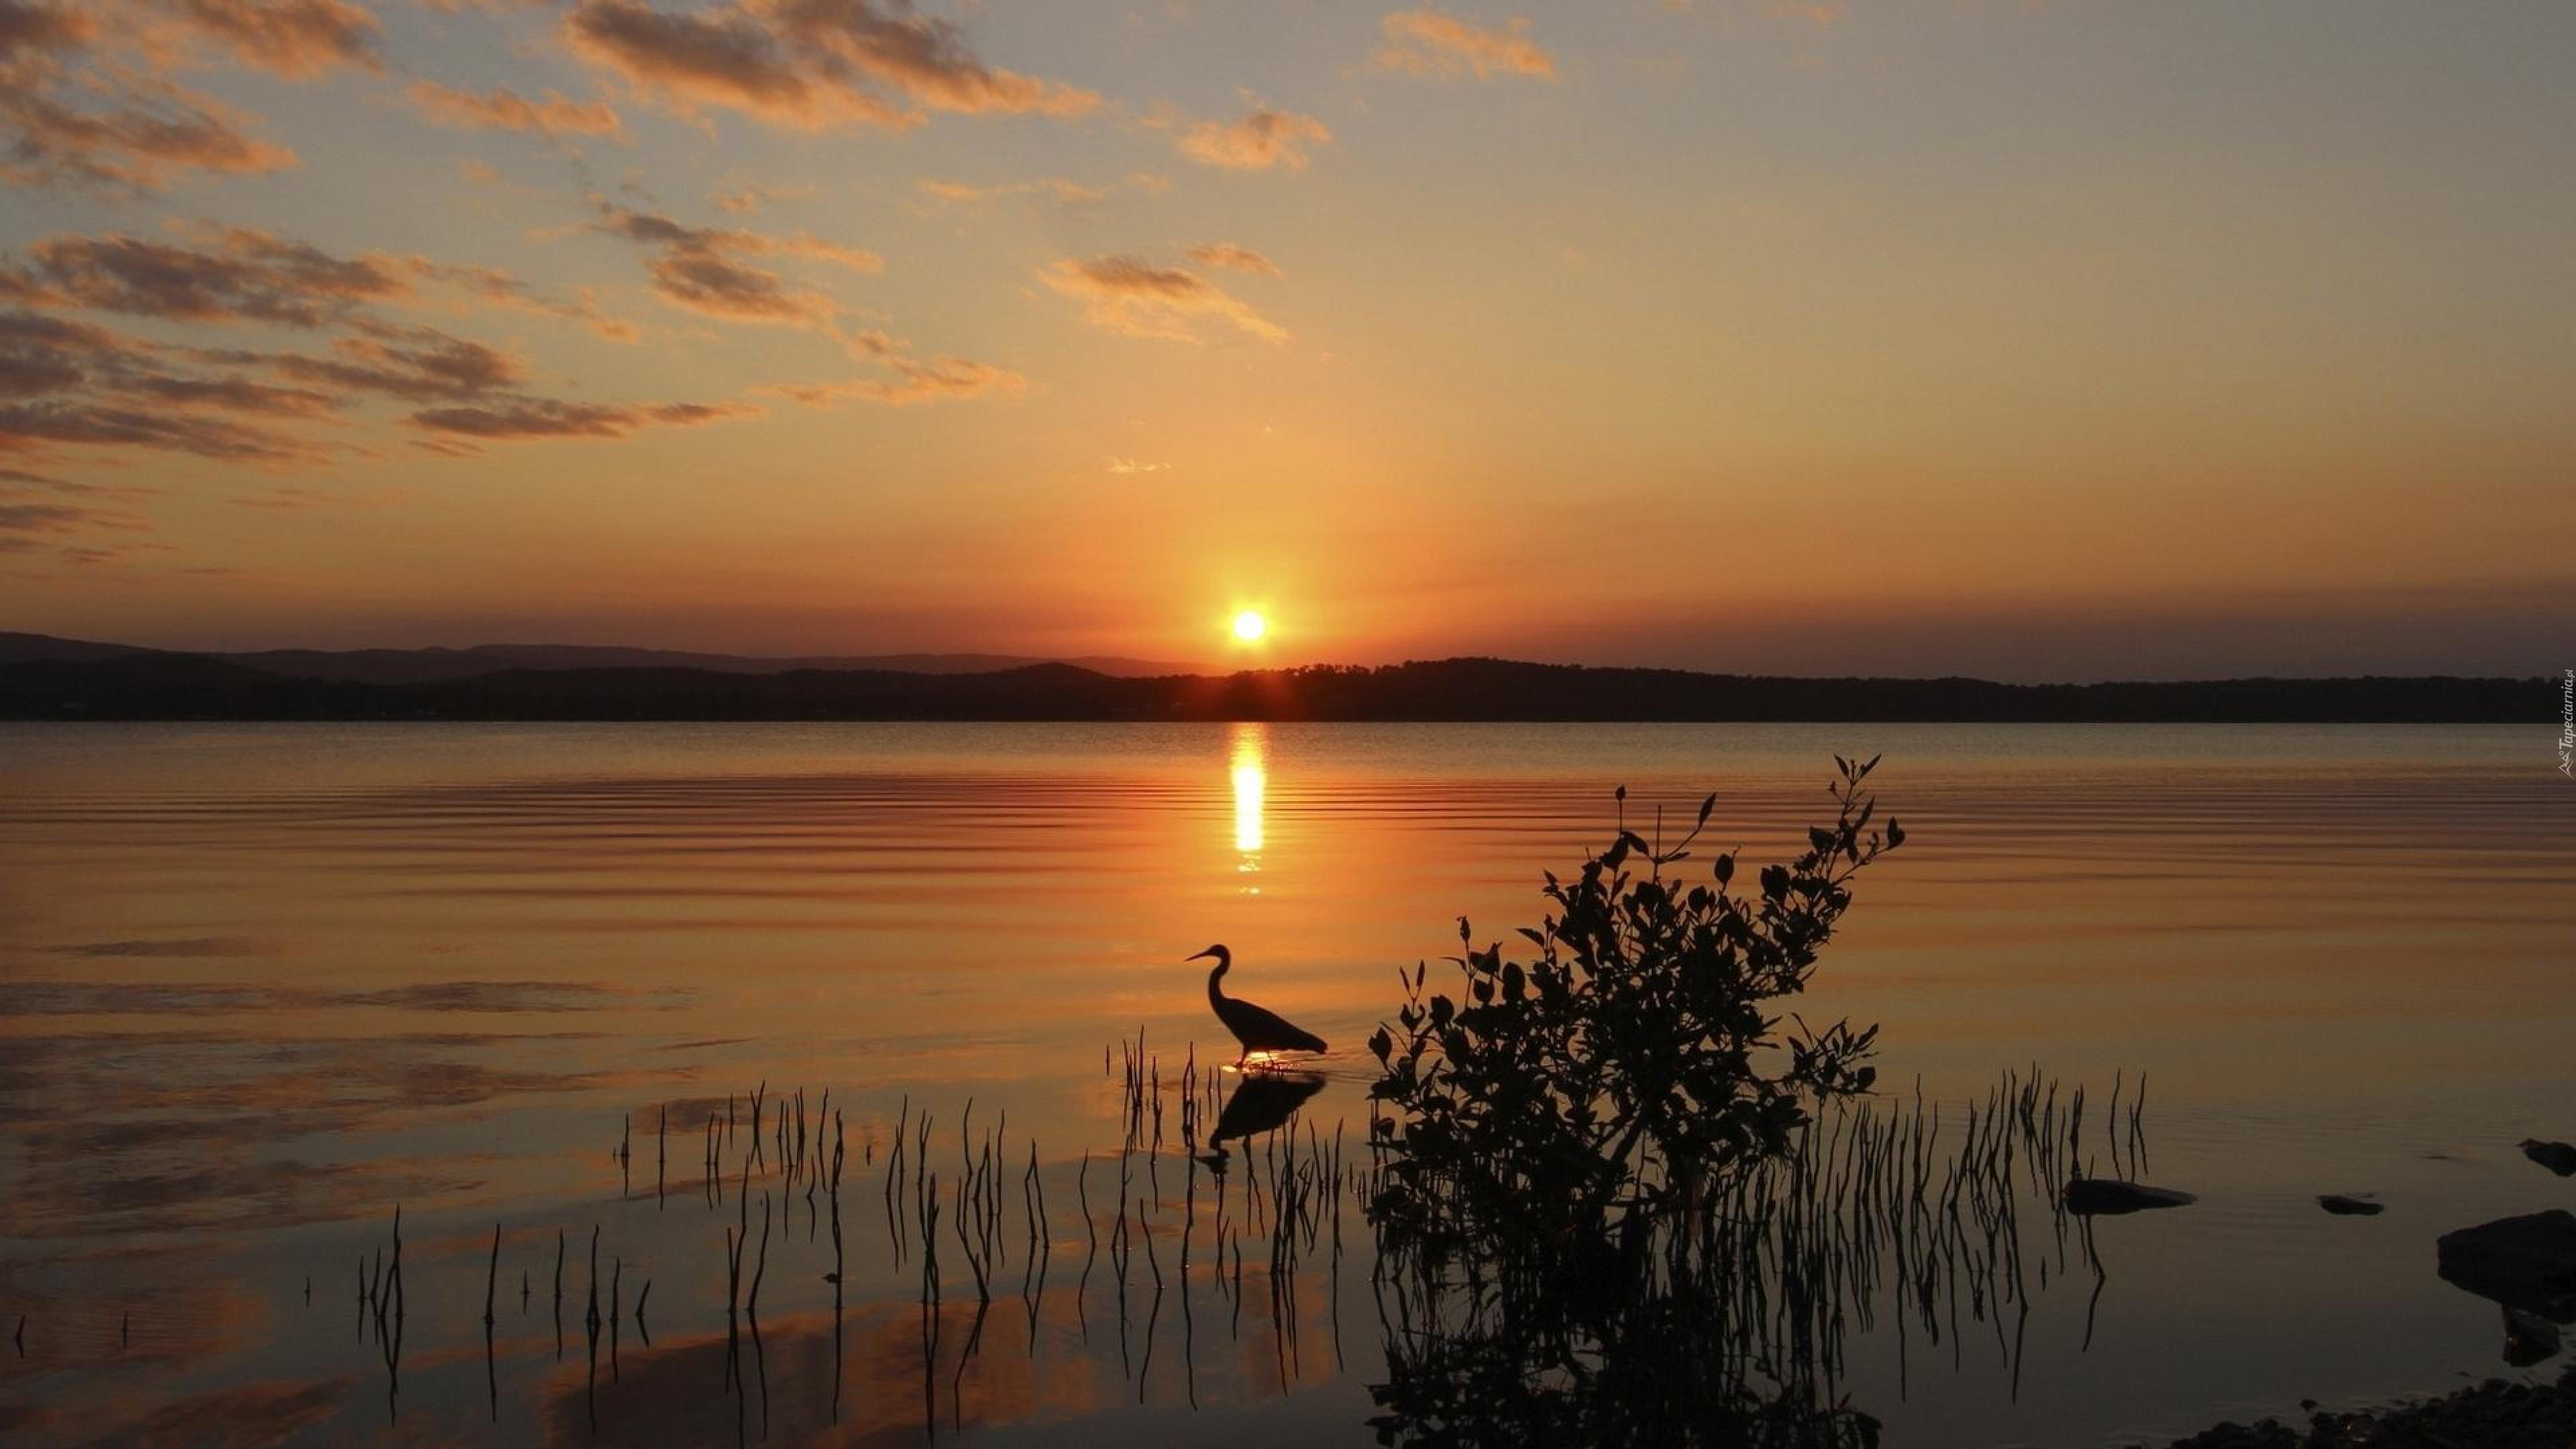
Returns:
(1216, 992)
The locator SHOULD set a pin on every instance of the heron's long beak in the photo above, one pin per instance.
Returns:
(1199, 957)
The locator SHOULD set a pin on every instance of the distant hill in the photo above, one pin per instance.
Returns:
(151, 685)
(423, 666)
(24, 648)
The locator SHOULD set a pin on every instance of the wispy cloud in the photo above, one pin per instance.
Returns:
(1235, 258)
(292, 38)
(228, 274)
(1431, 43)
(498, 287)
(700, 269)
(503, 109)
(938, 379)
(100, 424)
(416, 364)
(61, 520)
(70, 117)
(293, 355)
(230, 394)
(32, 26)
(69, 383)
(750, 199)
(810, 64)
(1058, 188)
(1138, 299)
(857, 259)
(723, 57)
(925, 59)
(525, 418)
(141, 146)
(1260, 141)
(73, 384)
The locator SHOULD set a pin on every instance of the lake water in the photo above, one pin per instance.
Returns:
(259, 984)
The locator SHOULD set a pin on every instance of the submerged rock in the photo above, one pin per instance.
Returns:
(2527, 1262)
(2090, 1196)
(2352, 1205)
(2558, 1157)
(2492, 1415)
(2529, 1338)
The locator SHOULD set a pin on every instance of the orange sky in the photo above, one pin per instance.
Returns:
(2033, 341)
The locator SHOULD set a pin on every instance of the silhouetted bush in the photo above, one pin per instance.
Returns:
(1596, 1200)
(1606, 1081)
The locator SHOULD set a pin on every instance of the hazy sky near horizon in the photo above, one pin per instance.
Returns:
(2002, 337)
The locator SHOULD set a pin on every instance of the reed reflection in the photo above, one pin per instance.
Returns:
(1248, 753)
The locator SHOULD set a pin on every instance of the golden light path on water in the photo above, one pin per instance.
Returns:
(1249, 755)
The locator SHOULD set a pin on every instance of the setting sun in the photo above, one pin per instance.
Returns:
(1250, 626)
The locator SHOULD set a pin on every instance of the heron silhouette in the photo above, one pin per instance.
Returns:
(1258, 1028)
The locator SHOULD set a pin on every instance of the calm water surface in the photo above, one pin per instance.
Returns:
(259, 984)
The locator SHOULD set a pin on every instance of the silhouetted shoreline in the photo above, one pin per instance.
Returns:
(165, 686)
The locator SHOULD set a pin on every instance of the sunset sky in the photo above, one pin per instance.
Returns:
(2023, 339)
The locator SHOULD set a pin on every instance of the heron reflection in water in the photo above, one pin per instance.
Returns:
(1258, 1028)
(1261, 1102)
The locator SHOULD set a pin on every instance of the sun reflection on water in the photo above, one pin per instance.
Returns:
(1249, 750)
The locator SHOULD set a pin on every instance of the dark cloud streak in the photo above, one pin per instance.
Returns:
(72, 384)
(529, 417)
(292, 38)
(810, 64)
(235, 273)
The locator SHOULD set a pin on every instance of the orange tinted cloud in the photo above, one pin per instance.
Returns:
(810, 64)
(53, 357)
(520, 418)
(72, 384)
(857, 259)
(293, 38)
(28, 26)
(107, 125)
(925, 59)
(133, 146)
(231, 394)
(1429, 43)
(232, 273)
(507, 110)
(750, 199)
(1236, 258)
(959, 192)
(498, 287)
(939, 379)
(720, 57)
(1130, 296)
(698, 269)
(86, 424)
(417, 364)
(40, 354)
(1259, 142)
(19, 520)
(75, 385)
